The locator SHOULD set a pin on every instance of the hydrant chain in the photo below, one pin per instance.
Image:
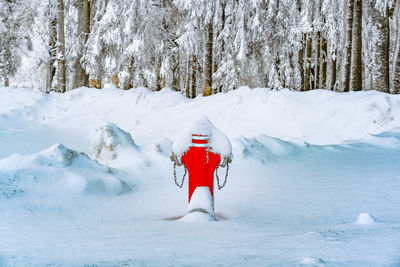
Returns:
(183, 178)
(226, 176)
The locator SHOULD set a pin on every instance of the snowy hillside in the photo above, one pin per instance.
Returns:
(85, 178)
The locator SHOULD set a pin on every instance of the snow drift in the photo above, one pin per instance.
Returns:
(317, 117)
(58, 170)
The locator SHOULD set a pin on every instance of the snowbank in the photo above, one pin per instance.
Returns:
(317, 117)
(56, 171)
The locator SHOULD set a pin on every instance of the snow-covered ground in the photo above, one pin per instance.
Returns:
(85, 179)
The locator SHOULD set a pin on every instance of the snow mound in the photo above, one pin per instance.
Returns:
(197, 217)
(312, 261)
(201, 201)
(365, 219)
(265, 148)
(163, 146)
(56, 171)
(201, 125)
(56, 154)
(108, 142)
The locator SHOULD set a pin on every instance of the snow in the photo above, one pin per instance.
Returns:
(109, 141)
(201, 125)
(312, 261)
(306, 165)
(365, 219)
(201, 201)
(197, 217)
(57, 171)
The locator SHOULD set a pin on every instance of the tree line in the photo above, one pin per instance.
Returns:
(204, 46)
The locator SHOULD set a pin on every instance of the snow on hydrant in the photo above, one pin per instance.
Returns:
(202, 149)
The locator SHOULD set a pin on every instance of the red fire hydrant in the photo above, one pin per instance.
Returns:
(201, 163)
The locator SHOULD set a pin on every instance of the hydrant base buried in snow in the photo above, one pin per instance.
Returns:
(202, 201)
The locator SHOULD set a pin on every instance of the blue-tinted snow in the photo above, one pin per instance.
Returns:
(297, 185)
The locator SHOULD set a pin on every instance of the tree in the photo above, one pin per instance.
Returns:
(356, 50)
(81, 78)
(61, 81)
(380, 75)
(323, 63)
(307, 77)
(207, 88)
(349, 36)
(52, 44)
(396, 54)
(12, 37)
(194, 75)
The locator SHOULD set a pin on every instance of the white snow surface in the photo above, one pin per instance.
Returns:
(85, 179)
(197, 217)
(312, 261)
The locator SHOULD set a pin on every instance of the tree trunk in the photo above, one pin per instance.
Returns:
(323, 63)
(194, 69)
(396, 56)
(158, 75)
(301, 62)
(301, 50)
(207, 88)
(218, 87)
(356, 64)
(318, 61)
(81, 78)
(349, 35)
(6, 82)
(127, 84)
(189, 69)
(333, 74)
(307, 76)
(380, 74)
(223, 18)
(176, 73)
(51, 68)
(61, 48)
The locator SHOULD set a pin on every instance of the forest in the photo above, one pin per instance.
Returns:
(201, 47)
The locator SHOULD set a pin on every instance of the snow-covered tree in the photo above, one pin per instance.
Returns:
(15, 18)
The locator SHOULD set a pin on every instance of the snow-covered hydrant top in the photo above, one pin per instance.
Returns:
(218, 142)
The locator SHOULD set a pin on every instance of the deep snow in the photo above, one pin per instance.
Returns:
(85, 178)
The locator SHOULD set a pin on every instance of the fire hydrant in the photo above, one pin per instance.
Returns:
(201, 161)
